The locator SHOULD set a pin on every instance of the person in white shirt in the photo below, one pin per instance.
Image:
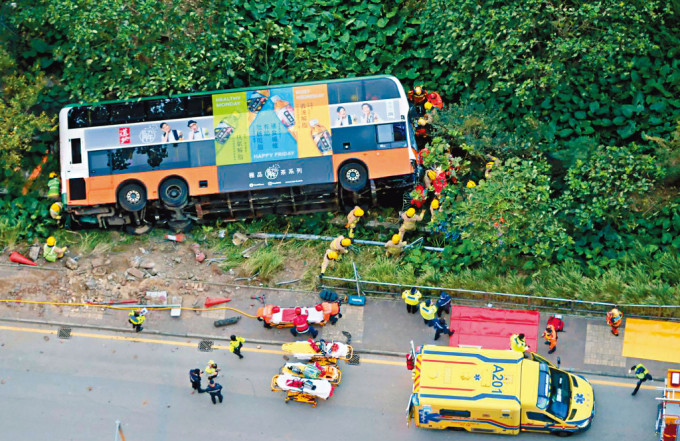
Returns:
(343, 118)
(170, 135)
(196, 133)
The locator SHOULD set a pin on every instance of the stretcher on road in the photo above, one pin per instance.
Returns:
(314, 371)
(303, 390)
(323, 352)
(278, 317)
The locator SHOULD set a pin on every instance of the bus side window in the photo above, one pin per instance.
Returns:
(76, 154)
(345, 92)
(78, 117)
(99, 163)
(199, 105)
(380, 89)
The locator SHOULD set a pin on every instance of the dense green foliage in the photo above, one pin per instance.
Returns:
(578, 100)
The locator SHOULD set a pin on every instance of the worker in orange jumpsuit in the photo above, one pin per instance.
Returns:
(550, 336)
(614, 319)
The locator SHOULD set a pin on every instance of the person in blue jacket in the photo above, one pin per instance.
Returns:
(443, 304)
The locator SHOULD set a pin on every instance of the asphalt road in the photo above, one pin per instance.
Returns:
(58, 390)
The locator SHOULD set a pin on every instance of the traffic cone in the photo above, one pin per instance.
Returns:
(212, 302)
(18, 258)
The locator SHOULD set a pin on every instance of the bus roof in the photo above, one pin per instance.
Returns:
(243, 89)
(453, 377)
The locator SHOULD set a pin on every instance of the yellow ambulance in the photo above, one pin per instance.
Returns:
(494, 391)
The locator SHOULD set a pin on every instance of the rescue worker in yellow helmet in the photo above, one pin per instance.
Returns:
(136, 318)
(352, 220)
(614, 320)
(517, 343)
(429, 178)
(340, 245)
(51, 252)
(55, 210)
(395, 246)
(411, 298)
(53, 190)
(428, 311)
(410, 218)
(434, 207)
(470, 184)
(330, 256)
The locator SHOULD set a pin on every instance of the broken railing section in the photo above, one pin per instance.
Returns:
(329, 238)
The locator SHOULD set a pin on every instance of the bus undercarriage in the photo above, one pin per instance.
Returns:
(386, 192)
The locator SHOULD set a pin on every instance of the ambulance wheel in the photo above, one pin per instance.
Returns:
(563, 434)
(353, 177)
(267, 325)
(132, 197)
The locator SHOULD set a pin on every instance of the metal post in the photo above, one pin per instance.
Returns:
(356, 278)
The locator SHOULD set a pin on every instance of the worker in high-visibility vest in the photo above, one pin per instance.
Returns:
(211, 370)
(136, 318)
(55, 210)
(642, 375)
(352, 220)
(340, 245)
(517, 343)
(550, 336)
(411, 298)
(50, 250)
(614, 320)
(428, 311)
(235, 345)
(53, 190)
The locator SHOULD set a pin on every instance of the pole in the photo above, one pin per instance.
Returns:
(119, 432)
(356, 278)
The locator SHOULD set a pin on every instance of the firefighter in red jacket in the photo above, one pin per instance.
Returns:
(300, 324)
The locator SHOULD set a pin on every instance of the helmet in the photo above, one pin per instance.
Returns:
(298, 310)
(358, 212)
(56, 207)
(435, 204)
(333, 255)
(432, 96)
(211, 362)
(410, 212)
(470, 184)
(346, 242)
(51, 241)
(53, 175)
(396, 239)
(489, 164)
(431, 175)
(428, 105)
(418, 89)
(422, 121)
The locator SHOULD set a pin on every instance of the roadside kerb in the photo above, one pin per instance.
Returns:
(266, 342)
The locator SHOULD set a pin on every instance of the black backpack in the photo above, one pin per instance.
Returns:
(328, 295)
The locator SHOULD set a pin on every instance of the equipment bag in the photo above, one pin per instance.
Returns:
(557, 323)
(328, 295)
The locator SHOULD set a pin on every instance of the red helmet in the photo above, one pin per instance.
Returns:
(432, 96)
(298, 310)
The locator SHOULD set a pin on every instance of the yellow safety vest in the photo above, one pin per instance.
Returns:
(516, 344)
(233, 344)
(428, 312)
(641, 371)
(411, 299)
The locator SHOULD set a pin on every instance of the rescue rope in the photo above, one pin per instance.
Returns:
(161, 308)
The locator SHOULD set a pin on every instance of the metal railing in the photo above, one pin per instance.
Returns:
(509, 300)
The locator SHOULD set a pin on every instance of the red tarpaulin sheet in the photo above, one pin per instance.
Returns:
(491, 328)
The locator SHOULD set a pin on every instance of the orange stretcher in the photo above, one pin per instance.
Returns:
(277, 317)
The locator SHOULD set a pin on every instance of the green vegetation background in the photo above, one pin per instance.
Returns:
(579, 101)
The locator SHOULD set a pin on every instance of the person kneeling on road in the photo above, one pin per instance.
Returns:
(300, 324)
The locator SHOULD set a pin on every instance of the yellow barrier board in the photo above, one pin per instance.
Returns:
(652, 340)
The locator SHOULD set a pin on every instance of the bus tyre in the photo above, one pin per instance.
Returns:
(353, 177)
(138, 230)
(174, 192)
(132, 197)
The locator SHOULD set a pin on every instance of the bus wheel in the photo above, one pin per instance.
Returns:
(174, 192)
(353, 177)
(180, 226)
(132, 197)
